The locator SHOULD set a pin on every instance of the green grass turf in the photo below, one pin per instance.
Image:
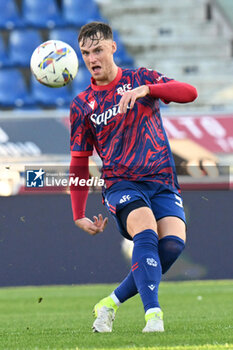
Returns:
(60, 317)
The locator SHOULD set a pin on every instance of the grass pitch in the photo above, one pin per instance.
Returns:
(197, 315)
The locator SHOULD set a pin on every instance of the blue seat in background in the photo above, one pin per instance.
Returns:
(41, 13)
(13, 89)
(4, 59)
(46, 96)
(70, 36)
(21, 45)
(79, 12)
(9, 15)
(81, 81)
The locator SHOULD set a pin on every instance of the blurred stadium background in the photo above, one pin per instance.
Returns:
(189, 40)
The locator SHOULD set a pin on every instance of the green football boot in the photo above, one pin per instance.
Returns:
(104, 311)
(154, 322)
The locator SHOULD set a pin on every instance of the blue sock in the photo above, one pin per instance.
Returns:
(146, 267)
(170, 247)
(127, 289)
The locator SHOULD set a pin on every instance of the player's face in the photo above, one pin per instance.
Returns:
(98, 57)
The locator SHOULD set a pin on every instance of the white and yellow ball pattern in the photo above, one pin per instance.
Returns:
(54, 63)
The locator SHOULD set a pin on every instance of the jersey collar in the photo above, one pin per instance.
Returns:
(108, 86)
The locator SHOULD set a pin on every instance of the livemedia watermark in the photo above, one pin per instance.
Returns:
(54, 178)
(60, 178)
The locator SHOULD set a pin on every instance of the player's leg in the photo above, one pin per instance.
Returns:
(127, 288)
(106, 308)
(146, 268)
(169, 212)
(172, 237)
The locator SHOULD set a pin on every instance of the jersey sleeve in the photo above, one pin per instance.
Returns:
(149, 76)
(79, 168)
(81, 138)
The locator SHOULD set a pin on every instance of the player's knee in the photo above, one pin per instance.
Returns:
(170, 248)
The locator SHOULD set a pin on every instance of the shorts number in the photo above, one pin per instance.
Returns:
(179, 201)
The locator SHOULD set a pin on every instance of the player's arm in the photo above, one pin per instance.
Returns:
(172, 91)
(79, 168)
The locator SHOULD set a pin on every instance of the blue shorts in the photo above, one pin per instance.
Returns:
(162, 201)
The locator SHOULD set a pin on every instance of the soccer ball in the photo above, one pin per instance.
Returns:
(54, 63)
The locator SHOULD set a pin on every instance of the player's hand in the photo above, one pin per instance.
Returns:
(129, 97)
(92, 227)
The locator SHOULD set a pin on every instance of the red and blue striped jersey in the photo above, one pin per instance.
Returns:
(133, 146)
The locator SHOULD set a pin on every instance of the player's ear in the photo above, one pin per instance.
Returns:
(114, 47)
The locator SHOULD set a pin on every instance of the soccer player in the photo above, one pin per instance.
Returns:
(119, 115)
